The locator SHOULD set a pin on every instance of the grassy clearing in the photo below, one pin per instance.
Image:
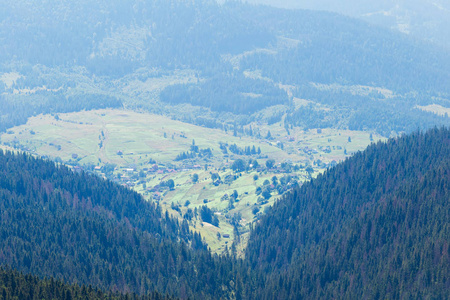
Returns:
(435, 109)
(9, 78)
(133, 142)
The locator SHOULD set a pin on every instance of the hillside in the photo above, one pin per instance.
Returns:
(81, 229)
(15, 285)
(422, 19)
(375, 226)
(217, 65)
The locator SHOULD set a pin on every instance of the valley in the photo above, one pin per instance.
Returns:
(386, 204)
(140, 150)
(203, 149)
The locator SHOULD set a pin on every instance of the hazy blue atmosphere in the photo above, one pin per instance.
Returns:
(427, 20)
(202, 149)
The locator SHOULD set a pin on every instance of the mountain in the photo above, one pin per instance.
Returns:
(375, 226)
(423, 19)
(226, 63)
(81, 229)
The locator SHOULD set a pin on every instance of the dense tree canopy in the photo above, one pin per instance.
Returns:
(15, 285)
(80, 228)
(375, 226)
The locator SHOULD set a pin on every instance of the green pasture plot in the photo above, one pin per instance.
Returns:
(436, 109)
(9, 78)
(52, 138)
(242, 185)
(209, 234)
(195, 193)
(352, 141)
(149, 84)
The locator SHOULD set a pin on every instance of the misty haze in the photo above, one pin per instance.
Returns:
(202, 149)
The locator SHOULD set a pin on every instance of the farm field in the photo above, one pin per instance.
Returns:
(145, 152)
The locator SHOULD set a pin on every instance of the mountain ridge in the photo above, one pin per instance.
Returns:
(360, 225)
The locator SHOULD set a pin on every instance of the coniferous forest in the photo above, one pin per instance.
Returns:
(375, 226)
(15, 285)
(288, 92)
(82, 229)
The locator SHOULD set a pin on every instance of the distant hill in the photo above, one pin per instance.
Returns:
(375, 226)
(422, 19)
(228, 61)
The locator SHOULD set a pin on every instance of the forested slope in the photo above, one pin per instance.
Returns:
(15, 285)
(375, 226)
(231, 60)
(80, 228)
